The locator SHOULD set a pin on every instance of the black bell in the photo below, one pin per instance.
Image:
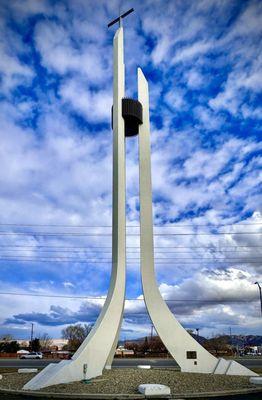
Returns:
(132, 112)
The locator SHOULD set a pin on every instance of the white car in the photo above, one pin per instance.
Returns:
(32, 355)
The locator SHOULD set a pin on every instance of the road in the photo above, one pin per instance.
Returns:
(119, 362)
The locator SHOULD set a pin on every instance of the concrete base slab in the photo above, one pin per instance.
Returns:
(144, 366)
(231, 367)
(256, 380)
(222, 366)
(1, 377)
(234, 368)
(149, 389)
(27, 370)
(54, 374)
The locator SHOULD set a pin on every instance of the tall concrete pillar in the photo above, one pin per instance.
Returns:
(98, 348)
(119, 177)
(189, 354)
(174, 336)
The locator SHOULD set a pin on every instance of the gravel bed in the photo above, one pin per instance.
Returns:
(126, 381)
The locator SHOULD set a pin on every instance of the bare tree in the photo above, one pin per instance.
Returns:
(6, 338)
(75, 334)
(218, 344)
(45, 341)
(156, 345)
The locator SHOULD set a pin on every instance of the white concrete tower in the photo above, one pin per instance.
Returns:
(131, 117)
(97, 350)
(189, 354)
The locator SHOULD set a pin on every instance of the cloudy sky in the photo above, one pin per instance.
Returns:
(203, 62)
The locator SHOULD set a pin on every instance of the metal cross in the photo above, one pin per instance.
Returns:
(120, 18)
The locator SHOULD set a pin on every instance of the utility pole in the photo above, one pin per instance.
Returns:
(260, 295)
(32, 333)
(152, 330)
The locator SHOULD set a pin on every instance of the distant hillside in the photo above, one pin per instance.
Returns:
(241, 340)
(199, 338)
(235, 340)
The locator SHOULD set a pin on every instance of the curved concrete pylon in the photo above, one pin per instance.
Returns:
(98, 348)
(188, 353)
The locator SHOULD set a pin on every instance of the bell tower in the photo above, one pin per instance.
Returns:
(131, 117)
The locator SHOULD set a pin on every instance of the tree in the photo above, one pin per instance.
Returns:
(9, 347)
(35, 345)
(144, 346)
(75, 334)
(217, 344)
(45, 341)
(132, 346)
(156, 345)
(24, 345)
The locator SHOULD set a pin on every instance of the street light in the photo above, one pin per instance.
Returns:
(260, 295)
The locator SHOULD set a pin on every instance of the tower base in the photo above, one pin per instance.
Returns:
(65, 371)
(71, 370)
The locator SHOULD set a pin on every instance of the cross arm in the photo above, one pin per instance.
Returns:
(120, 17)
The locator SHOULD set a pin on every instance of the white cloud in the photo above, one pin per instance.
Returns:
(216, 300)
(68, 285)
(27, 8)
(175, 99)
(210, 163)
(207, 118)
(59, 53)
(218, 295)
(243, 53)
(194, 79)
(232, 97)
(12, 70)
(94, 105)
(192, 51)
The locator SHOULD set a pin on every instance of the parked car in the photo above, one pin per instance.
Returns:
(32, 355)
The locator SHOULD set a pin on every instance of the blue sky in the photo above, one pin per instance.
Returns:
(203, 62)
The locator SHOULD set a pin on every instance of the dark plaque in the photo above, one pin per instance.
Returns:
(191, 355)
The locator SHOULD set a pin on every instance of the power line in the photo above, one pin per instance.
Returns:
(3, 233)
(128, 261)
(127, 299)
(134, 226)
(137, 258)
(85, 251)
(131, 247)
